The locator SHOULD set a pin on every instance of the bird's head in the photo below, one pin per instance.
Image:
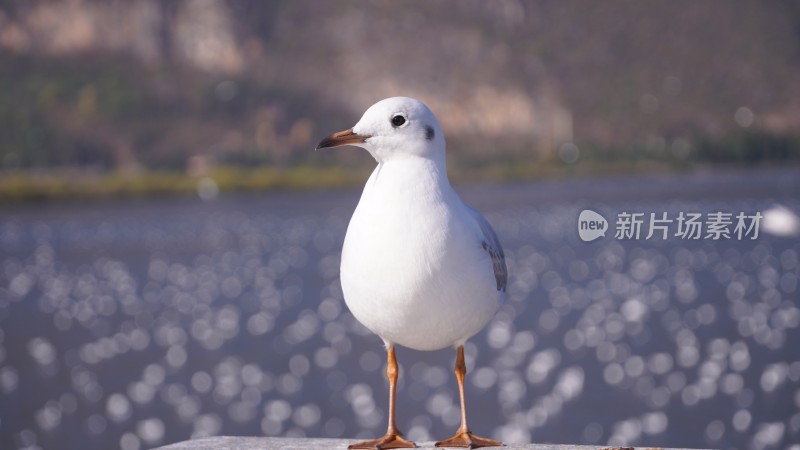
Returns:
(393, 128)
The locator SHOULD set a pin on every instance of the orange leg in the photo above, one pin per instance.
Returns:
(393, 437)
(464, 438)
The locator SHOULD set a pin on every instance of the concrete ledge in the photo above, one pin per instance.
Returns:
(271, 443)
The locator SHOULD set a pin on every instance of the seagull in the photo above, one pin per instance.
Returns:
(420, 268)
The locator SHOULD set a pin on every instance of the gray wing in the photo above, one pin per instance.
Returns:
(492, 246)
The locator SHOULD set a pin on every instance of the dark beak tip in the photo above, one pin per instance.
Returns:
(327, 142)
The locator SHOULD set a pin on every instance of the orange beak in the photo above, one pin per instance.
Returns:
(346, 137)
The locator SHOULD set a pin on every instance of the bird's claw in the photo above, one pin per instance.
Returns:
(386, 442)
(465, 439)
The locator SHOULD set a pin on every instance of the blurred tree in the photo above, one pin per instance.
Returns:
(154, 82)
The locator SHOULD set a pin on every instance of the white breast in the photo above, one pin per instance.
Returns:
(413, 268)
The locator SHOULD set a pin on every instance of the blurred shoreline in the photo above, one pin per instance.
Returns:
(24, 186)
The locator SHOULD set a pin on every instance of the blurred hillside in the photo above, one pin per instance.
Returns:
(160, 84)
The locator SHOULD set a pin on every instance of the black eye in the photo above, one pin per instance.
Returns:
(398, 120)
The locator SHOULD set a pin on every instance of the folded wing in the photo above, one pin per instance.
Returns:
(491, 244)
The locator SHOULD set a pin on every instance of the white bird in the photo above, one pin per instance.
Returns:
(420, 268)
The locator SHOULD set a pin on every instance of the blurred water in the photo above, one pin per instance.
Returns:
(133, 324)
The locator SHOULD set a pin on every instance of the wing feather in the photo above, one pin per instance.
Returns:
(491, 244)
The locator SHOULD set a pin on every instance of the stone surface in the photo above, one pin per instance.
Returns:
(271, 443)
